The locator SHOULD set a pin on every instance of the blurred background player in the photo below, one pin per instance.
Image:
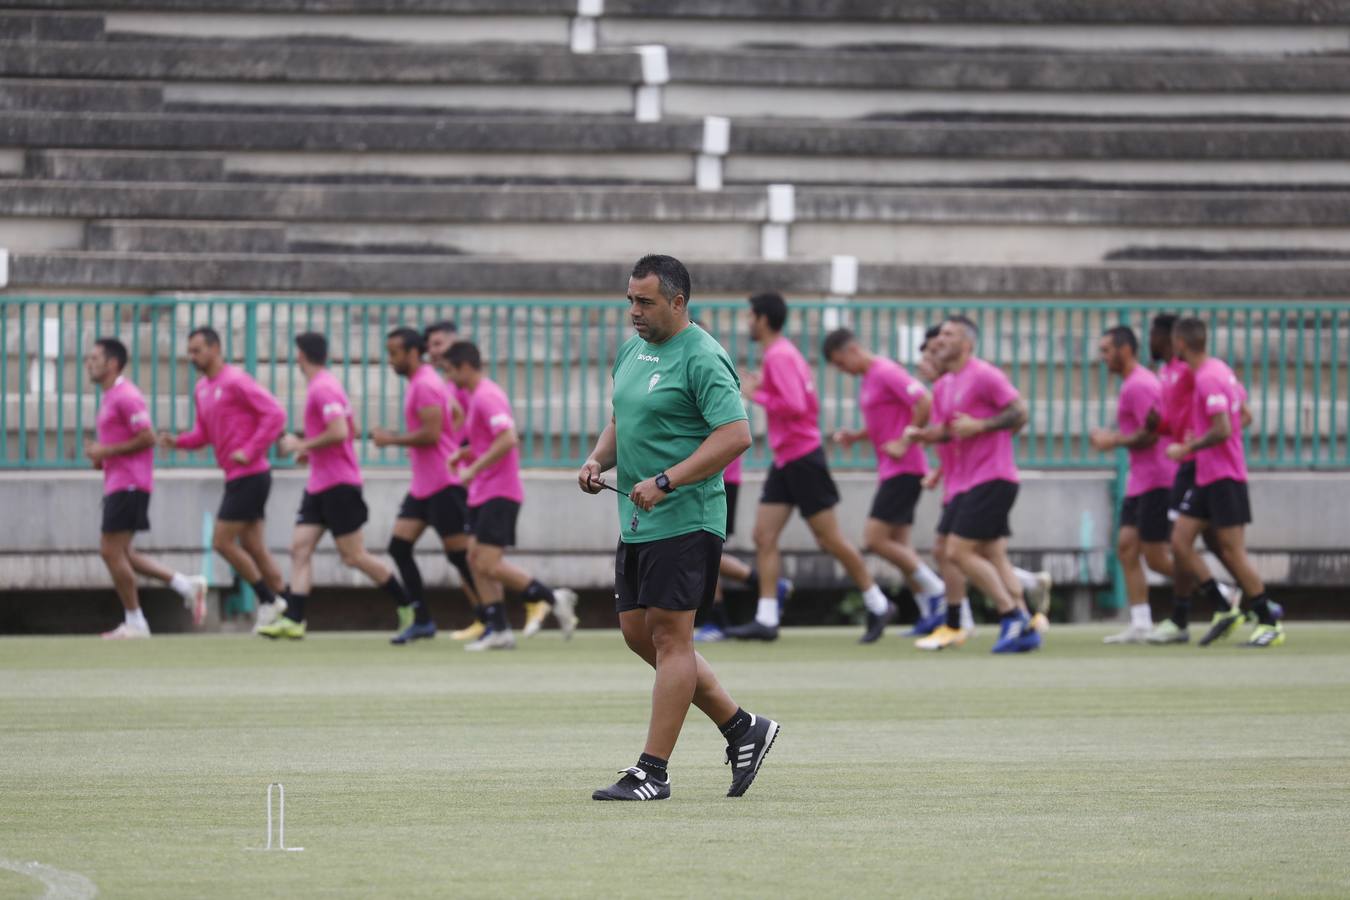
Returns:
(1219, 498)
(125, 450)
(1145, 528)
(799, 477)
(891, 400)
(332, 499)
(495, 496)
(240, 420)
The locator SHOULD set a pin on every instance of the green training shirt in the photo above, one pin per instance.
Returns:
(667, 399)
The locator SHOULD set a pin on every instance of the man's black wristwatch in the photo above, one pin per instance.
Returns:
(663, 482)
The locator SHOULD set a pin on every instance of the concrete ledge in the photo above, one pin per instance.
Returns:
(95, 165)
(108, 96)
(26, 26)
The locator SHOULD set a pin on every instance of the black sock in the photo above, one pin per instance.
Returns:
(480, 615)
(295, 606)
(460, 560)
(264, 592)
(421, 613)
(401, 552)
(654, 766)
(718, 616)
(1215, 596)
(734, 729)
(954, 617)
(1261, 606)
(496, 617)
(536, 590)
(753, 578)
(1181, 612)
(395, 590)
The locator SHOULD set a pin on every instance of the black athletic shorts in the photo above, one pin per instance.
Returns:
(245, 498)
(1147, 512)
(1184, 481)
(678, 573)
(896, 498)
(948, 516)
(733, 494)
(494, 522)
(341, 509)
(447, 510)
(127, 510)
(1223, 504)
(804, 483)
(982, 512)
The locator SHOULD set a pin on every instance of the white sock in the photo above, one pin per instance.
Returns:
(136, 618)
(876, 601)
(180, 583)
(967, 615)
(1141, 616)
(1028, 579)
(767, 613)
(927, 580)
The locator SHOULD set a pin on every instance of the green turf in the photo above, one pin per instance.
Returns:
(429, 772)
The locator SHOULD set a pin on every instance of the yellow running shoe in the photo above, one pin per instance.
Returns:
(943, 638)
(1266, 636)
(472, 633)
(286, 628)
(535, 613)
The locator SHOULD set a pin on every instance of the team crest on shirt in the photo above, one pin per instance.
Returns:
(651, 382)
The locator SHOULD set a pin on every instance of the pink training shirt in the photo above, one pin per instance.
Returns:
(490, 415)
(430, 464)
(788, 395)
(1178, 384)
(1217, 390)
(981, 390)
(887, 396)
(325, 400)
(941, 412)
(1150, 469)
(121, 416)
(732, 473)
(234, 412)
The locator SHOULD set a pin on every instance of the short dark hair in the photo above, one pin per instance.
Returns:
(1123, 336)
(464, 353)
(835, 341)
(1192, 332)
(772, 307)
(115, 350)
(207, 334)
(928, 337)
(314, 346)
(672, 274)
(410, 338)
(446, 325)
(967, 323)
(1164, 322)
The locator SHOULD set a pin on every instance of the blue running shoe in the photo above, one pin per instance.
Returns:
(414, 632)
(937, 605)
(784, 592)
(930, 623)
(1012, 634)
(709, 633)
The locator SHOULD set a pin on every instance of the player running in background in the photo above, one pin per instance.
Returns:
(677, 423)
(1144, 525)
(891, 400)
(1219, 498)
(124, 449)
(332, 499)
(492, 473)
(240, 420)
(800, 476)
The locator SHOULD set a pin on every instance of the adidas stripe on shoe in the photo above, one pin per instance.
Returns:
(746, 754)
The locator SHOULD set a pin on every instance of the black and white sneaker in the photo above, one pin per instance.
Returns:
(753, 631)
(876, 625)
(635, 785)
(746, 754)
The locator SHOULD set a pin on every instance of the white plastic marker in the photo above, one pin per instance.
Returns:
(60, 884)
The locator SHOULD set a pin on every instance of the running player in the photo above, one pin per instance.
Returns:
(240, 420)
(492, 474)
(799, 478)
(125, 451)
(891, 400)
(979, 415)
(678, 422)
(1144, 526)
(332, 499)
(1219, 498)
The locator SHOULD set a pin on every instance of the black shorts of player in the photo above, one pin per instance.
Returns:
(1184, 481)
(245, 498)
(494, 522)
(944, 526)
(1147, 513)
(341, 509)
(733, 494)
(982, 512)
(804, 483)
(1223, 504)
(678, 573)
(896, 498)
(126, 511)
(447, 510)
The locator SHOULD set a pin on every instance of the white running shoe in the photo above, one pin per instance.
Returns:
(493, 640)
(269, 613)
(1131, 635)
(195, 599)
(565, 611)
(126, 631)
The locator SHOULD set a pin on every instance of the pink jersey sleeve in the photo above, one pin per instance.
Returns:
(195, 437)
(131, 406)
(271, 416)
(997, 388)
(783, 390)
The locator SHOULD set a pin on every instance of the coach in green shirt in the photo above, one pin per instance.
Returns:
(678, 421)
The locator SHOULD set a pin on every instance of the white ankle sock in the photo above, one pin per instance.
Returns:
(1141, 616)
(767, 612)
(180, 583)
(1027, 579)
(967, 615)
(927, 580)
(876, 601)
(136, 618)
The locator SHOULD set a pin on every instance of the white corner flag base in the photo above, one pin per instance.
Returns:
(281, 822)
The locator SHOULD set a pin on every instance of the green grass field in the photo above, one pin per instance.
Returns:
(429, 772)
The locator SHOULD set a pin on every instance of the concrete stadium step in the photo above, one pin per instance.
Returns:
(45, 26)
(97, 165)
(186, 237)
(105, 96)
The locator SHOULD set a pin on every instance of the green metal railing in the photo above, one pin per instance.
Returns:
(553, 357)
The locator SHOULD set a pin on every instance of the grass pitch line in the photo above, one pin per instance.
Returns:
(60, 884)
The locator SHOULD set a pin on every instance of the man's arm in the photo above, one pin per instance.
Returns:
(1220, 428)
(787, 395)
(271, 417)
(99, 452)
(602, 458)
(1010, 418)
(430, 419)
(335, 432)
(718, 449)
(500, 446)
(188, 440)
